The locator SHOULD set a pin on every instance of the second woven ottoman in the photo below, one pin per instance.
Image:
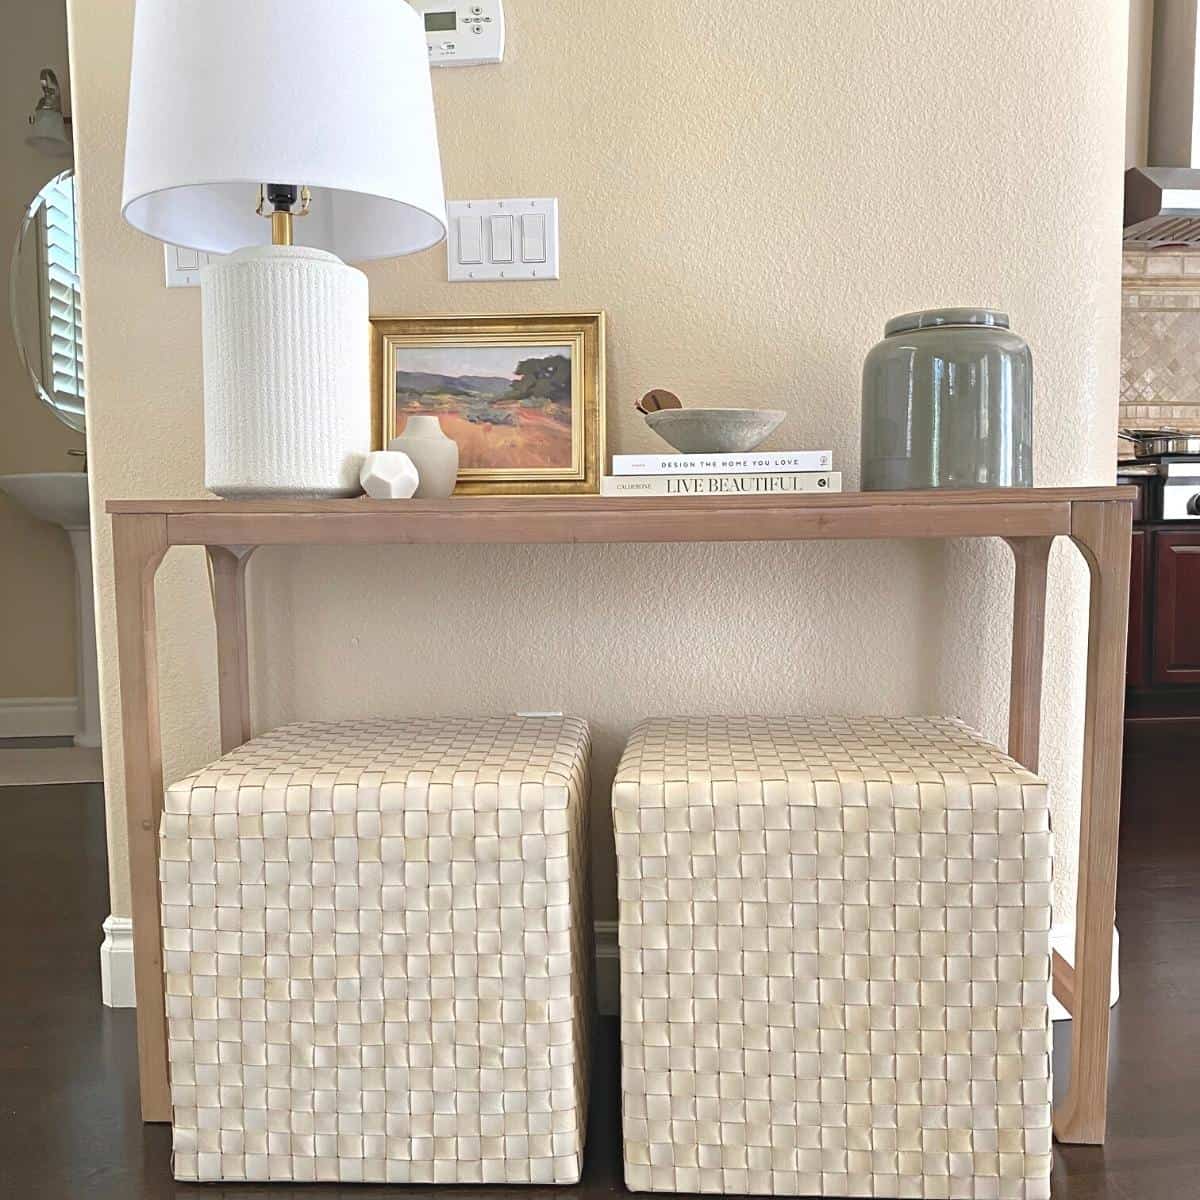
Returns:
(376, 944)
(835, 960)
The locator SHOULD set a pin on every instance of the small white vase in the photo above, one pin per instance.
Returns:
(435, 456)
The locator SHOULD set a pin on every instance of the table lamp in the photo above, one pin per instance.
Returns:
(286, 134)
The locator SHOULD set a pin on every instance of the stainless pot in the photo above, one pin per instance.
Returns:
(1152, 443)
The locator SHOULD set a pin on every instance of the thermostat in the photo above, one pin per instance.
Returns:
(463, 35)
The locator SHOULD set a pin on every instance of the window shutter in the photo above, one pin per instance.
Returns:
(63, 312)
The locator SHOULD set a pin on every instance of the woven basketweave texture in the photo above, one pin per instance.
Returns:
(376, 950)
(835, 960)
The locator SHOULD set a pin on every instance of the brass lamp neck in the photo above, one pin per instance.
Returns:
(276, 200)
(281, 228)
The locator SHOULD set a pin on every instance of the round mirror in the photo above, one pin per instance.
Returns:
(44, 299)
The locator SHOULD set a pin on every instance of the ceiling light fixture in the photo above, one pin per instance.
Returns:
(49, 126)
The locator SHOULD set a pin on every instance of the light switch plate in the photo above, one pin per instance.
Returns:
(502, 240)
(183, 266)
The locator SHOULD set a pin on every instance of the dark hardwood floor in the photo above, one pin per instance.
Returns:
(69, 1123)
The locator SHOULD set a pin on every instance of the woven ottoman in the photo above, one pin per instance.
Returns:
(835, 960)
(376, 944)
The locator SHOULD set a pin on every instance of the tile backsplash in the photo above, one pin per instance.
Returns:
(1160, 339)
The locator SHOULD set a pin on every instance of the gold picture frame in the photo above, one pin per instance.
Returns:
(512, 444)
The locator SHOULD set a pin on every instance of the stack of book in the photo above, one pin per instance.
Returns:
(760, 473)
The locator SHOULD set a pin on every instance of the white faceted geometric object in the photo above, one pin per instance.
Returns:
(377, 954)
(835, 960)
(287, 409)
(389, 475)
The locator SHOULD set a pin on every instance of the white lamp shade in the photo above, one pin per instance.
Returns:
(226, 95)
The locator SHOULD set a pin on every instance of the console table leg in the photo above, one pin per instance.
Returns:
(228, 566)
(1032, 556)
(1028, 648)
(139, 543)
(1101, 530)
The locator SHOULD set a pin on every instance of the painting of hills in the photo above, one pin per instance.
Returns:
(507, 407)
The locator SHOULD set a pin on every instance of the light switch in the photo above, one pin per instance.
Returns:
(183, 266)
(533, 238)
(502, 239)
(470, 239)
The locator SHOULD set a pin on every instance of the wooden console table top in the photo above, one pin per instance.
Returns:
(1097, 520)
(1019, 512)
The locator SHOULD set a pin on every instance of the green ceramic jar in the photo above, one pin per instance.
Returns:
(948, 403)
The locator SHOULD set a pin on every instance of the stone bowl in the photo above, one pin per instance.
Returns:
(715, 430)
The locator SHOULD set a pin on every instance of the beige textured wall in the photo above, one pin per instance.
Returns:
(37, 580)
(1137, 110)
(749, 209)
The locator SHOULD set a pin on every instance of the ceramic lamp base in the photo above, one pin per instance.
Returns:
(286, 374)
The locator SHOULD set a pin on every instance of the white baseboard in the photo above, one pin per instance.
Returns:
(39, 716)
(116, 966)
(608, 967)
(1062, 939)
(116, 963)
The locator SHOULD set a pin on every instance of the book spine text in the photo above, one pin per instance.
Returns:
(779, 483)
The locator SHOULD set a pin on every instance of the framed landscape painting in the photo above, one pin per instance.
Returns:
(522, 396)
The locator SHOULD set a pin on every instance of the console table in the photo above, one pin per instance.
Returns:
(1097, 520)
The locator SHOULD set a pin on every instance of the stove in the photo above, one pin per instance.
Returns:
(1180, 491)
(1166, 464)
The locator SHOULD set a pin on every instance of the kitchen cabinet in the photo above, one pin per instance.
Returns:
(1163, 651)
(1136, 655)
(1176, 618)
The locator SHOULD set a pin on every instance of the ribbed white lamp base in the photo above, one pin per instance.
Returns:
(287, 399)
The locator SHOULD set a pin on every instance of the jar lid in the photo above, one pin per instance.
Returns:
(931, 318)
